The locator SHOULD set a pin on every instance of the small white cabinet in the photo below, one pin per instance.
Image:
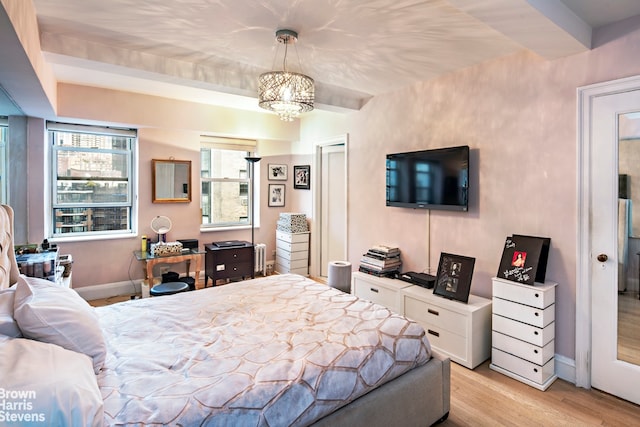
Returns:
(292, 252)
(458, 330)
(523, 335)
(461, 331)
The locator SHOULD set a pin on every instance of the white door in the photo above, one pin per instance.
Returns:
(329, 235)
(609, 371)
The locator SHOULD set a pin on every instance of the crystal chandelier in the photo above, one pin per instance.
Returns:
(286, 93)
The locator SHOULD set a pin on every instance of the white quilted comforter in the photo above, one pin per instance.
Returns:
(276, 351)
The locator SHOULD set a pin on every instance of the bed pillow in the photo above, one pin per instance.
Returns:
(48, 384)
(50, 313)
(8, 325)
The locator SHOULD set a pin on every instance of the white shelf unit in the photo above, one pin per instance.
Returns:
(292, 252)
(523, 336)
(461, 331)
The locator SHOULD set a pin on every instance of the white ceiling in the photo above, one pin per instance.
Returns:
(212, 51)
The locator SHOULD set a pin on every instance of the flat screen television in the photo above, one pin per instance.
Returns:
(429, 179)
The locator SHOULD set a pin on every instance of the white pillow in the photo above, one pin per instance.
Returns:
(44, 384)
(8, 325)
(58, 315)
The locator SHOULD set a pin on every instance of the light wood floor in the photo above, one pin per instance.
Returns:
(483, 397)
(629, 327)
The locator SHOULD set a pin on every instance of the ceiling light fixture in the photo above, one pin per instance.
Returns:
(284, 92)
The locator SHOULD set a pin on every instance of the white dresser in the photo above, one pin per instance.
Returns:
(523, 335)
(461, 331)
(458, 330)
(292, 252)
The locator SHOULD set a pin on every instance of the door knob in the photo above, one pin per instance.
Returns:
(603, 257)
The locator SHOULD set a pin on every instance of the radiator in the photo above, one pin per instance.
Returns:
(261, 258)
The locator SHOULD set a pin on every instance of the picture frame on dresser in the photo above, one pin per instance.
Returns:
(276, 195)
(524, 259)
(277, 172)
(453, 280)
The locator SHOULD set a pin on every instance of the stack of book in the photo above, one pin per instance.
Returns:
(382, 261)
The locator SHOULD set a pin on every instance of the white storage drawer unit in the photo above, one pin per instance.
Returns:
(523, 336)
(461, 331)
(380, 290)
(292, 252)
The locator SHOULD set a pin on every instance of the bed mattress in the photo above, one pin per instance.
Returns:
(276, 351)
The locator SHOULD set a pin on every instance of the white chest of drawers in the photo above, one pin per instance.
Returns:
(523, 335)
(292, 252)
(461, 331)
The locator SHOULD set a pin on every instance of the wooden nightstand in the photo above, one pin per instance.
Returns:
(228, 262)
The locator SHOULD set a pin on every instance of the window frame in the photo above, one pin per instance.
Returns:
(131, 155)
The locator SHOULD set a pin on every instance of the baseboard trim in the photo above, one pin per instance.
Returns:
(108, 290)
(565, 368)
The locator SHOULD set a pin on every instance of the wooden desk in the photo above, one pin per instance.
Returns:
(193, 256)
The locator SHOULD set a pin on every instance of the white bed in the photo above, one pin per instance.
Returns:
(276, 351)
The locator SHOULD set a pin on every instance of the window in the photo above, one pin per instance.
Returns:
(93, 179)
(225, 182)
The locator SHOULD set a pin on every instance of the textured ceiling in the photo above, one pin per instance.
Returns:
(213, 50)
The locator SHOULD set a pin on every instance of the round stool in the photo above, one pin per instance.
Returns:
(168, 288)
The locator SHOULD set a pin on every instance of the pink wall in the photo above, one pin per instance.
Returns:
(518, 115)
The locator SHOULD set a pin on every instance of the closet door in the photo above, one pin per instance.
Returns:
(615, 356)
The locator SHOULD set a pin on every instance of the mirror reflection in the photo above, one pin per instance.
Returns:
(171, 181)
(629, 238)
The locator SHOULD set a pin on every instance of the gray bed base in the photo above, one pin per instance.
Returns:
(420, 397)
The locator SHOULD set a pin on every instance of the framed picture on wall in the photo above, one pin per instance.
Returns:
(302, 177)
(276, 194)
(277, 172)
(454, 276)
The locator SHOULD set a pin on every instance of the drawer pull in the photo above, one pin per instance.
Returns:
(373, 290)
(535, 332)
(536, 314)
(535, 370)
(537, 295)
(434, 333)
(430, 311)
(535, 351)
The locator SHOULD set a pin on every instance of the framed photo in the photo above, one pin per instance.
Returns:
(302, 177)
(276, 194)
(277, 172)
(454, 276)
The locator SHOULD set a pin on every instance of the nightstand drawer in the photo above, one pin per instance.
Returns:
(531, 334)
(292, 255)
(524, 313)
(453, 345)
(292, 237)
(378, 294)
(534, 296)
(441, 318)
(522, 349)
(532, 372)
(291, 264)
(292, 247)
(235, 269)
(233, 256)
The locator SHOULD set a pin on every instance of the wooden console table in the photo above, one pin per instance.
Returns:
(193, 255)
